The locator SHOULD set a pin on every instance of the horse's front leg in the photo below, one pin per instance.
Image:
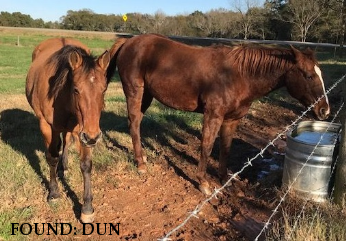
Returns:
(52, 143)
(227, 131)
(68, 139)
(87, 214)
(211, 125)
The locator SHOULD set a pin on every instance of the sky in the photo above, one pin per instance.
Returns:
(53, 10)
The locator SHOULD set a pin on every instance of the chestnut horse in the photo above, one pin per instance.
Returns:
(65, 86)
(220, 82)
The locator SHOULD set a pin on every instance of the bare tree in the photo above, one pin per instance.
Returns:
(303, 14)
(219, 22)
(203, 23)
(248, 20)
(159, 20)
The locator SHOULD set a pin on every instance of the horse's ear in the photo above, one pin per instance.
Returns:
(310, 53)
(297, 54)
(103, 60)
(75, 60)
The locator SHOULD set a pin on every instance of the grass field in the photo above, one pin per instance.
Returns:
(17, 178)
(21, 142)
(23, 169)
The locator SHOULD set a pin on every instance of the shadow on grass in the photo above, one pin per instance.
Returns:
(21, 131)
(165, 133)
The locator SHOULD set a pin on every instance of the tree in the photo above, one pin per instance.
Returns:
(329, 28)
(277, 28)
(201, 23)
(159, 20)
(302, 15)
(16, 19)
(248, 20)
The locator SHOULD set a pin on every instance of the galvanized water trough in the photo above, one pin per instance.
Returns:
(309, 159)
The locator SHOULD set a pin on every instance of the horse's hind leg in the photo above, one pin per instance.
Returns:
(212, 121)
(146, 101)
(52, 142)
(226, 136)
(135, 115)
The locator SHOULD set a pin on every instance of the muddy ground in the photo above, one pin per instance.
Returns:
(150, 206)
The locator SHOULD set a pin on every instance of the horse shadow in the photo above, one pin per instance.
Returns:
(166, 136)
(150, 129)
(20, 130)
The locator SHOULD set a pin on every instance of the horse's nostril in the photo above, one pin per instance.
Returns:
(87, 140)
(84, 137)
(324, 113)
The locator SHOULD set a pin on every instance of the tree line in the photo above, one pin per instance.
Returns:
(299, 20)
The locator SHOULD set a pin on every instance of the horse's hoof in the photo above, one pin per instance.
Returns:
(142, 169)
(205, 189)
(87, 218)
(53, 197)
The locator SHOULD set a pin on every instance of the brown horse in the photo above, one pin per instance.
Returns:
(220, 82)
(65, 86)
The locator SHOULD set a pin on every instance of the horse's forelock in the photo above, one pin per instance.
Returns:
(59, 65)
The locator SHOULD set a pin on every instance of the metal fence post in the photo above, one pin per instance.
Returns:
(340, 176)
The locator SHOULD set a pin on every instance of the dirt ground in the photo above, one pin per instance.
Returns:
(150, 206)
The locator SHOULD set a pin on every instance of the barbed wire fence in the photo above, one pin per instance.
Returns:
(318, 204)
(217, 191)
(290, 186)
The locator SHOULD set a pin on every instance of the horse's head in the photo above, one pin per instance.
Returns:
(304, 82)
(88, 89)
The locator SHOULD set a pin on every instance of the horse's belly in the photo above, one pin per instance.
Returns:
(179, 102)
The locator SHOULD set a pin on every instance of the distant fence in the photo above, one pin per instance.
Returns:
(210, 41)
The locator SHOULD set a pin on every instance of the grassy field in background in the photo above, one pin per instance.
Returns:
(23, 169)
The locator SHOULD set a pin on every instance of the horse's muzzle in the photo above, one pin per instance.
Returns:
(323, 113)
(87, 140)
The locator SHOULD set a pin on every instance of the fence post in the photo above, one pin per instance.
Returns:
(340, 176)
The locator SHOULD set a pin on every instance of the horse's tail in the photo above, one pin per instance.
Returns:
(114, 50)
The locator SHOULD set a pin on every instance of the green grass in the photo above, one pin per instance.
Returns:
(14, 64)
(23, 168)
(8, 217)
(15, 59)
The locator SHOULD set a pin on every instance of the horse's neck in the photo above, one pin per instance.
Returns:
(263, 85)
(264, 69)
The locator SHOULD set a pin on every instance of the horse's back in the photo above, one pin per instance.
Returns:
(165, 66)
(50, 46)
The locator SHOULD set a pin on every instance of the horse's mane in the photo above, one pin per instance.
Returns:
(259, 60)
(58, 64)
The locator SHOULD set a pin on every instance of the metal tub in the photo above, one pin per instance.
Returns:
(308, 167)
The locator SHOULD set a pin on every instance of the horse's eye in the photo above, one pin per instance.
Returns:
(76, 91)
(309, 77)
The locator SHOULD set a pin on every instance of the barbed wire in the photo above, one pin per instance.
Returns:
(331, 192)
(217, 191)
(298, 174)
